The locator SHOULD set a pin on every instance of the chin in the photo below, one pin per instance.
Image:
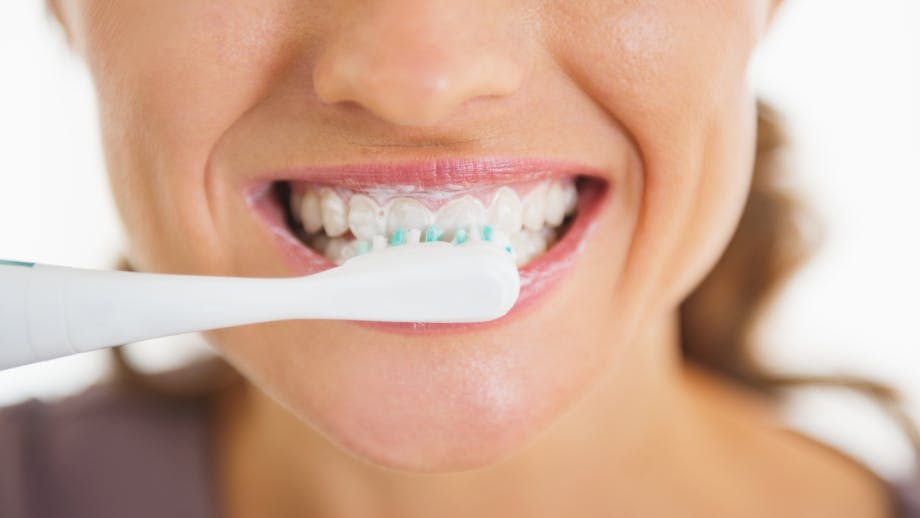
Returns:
(472, 408)
(473, 431)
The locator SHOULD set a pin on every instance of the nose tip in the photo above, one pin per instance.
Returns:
(413, 94)
(416, 74)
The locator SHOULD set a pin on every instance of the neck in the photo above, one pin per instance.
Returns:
(645, 427)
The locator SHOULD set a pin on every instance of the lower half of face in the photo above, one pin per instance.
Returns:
(607, 145)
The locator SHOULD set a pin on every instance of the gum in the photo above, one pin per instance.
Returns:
(431, 198)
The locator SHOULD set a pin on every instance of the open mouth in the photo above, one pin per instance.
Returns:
(338, 222)
(541, 212)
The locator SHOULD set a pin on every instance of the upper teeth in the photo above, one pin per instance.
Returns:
(546, 203)
(505, 211)
(533, 209)
(365, 218)
(334, 215)
(460, 213)
(310, 213)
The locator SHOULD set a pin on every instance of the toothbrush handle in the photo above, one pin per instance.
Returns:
(15, 341)
(51, 311)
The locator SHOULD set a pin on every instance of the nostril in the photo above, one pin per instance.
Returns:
(396, 96)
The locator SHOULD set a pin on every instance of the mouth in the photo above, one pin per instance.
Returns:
(541, 212)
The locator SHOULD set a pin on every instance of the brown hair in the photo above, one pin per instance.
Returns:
(773, 238)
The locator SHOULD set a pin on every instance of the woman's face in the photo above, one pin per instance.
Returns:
(212, 112)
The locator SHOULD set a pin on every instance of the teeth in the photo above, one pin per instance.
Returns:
(333, 210)
(571, 198)
(475, 233)
(318, 241)
(406, 213)
(365, 218)
(555, 204)
(335, 248)
(296, 202)
(528, 244)
(534, 207)
(460, 213)
(310, 213)
(526, 227)
(505, 211)
(499, 238)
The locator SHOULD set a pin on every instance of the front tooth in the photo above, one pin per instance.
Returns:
(534, 207)
(406, 213)
(365, 218)
(310, 213)
(460, 213)
(555, 204)
(505, 211)
(335, 218)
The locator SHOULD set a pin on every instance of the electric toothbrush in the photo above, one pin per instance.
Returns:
(52, 311)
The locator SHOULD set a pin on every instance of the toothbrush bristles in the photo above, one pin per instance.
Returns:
(460, 236)
(398, 237)
(487, 233)
(431, 234)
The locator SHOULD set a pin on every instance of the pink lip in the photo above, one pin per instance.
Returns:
(537, 278)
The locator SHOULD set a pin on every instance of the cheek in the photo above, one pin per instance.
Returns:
(725, 174)
(170, 79)
(674, 75)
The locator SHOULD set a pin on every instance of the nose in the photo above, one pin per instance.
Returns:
(416, 62)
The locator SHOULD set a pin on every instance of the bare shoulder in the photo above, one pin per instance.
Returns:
(790, 473)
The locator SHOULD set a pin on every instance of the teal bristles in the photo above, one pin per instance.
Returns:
(432, 233)
(460, 236)
(398, 237)
(487, 233)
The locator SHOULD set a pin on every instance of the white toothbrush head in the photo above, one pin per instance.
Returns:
(436, 282)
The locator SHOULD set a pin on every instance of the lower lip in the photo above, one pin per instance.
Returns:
(538, 277)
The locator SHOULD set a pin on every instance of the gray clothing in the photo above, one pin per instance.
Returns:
(106, 453)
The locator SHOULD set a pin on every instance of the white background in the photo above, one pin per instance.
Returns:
(845, 73)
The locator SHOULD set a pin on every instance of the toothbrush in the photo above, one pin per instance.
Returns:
(50, 311)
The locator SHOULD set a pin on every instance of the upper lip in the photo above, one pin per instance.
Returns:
(444, 173)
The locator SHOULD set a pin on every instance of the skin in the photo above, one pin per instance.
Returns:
(554, 413)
